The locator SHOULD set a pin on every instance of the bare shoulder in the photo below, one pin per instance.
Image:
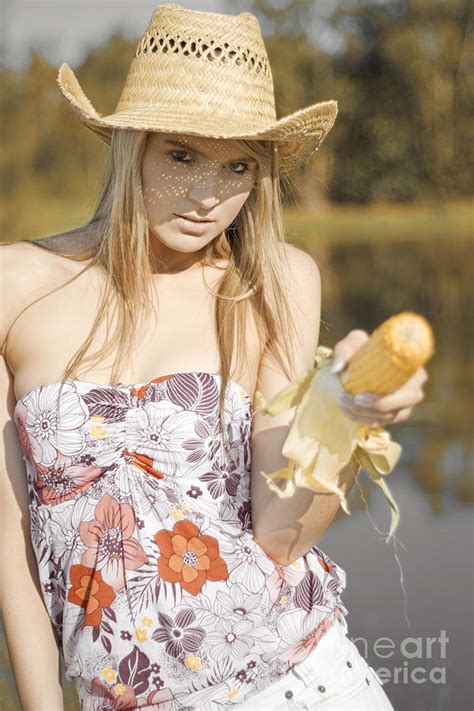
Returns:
(26, 271)
(300, 262)
(303, 278)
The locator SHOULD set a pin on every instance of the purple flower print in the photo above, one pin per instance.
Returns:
(224, 478)
(194, 492)
(86, 459)
(245, 516)
(205, 445)
(178, 635)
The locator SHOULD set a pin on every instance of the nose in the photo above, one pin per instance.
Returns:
(204, 193)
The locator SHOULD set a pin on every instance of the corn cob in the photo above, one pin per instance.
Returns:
(394, 351)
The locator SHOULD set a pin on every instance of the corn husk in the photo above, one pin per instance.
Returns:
(322, 439)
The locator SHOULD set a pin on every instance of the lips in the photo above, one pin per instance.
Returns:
(192, 227)
(197, 220)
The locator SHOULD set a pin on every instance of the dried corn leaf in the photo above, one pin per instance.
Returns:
(322, 439)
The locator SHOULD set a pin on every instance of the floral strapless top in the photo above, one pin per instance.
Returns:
(141, 526)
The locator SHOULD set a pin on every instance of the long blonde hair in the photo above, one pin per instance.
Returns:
(254, 277)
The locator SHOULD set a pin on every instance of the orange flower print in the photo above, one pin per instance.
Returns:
(188, 558)
(140, 391)
(62, 481)
(143, 462)
(90, 592)
(328, 566)
(111, 547)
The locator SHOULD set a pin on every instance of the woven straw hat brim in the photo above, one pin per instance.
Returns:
(298, 134)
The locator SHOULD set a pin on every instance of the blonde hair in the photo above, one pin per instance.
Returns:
(254, 277)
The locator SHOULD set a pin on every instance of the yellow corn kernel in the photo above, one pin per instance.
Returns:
(394, 351)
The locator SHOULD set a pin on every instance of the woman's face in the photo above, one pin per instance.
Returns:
(201, 178)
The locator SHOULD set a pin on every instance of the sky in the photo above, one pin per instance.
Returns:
(66, 30)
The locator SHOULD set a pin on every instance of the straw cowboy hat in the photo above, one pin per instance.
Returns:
(204, 74)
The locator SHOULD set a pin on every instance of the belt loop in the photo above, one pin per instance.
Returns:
(293, 704)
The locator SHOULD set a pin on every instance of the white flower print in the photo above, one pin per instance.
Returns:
(39, 518)
(295, 625)
(231, 638)
(300, 632)
(153, 500)
(248, 564)
(159, 429)
(233, 405)
(238, 605)
(61, 529)
(56, 426)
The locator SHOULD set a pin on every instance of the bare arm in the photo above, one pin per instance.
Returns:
(287, 528)
(29, 634)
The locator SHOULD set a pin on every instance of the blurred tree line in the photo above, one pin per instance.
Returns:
(404, 82)
(401, 79)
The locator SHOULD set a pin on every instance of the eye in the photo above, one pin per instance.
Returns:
(240, 172)
(177, 158)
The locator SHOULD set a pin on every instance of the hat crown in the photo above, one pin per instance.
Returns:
(204, 74)
(199, 62)
(225, 38)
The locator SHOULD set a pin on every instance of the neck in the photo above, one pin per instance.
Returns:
(164, 260)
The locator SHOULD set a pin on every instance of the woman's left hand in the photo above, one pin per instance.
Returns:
(375, 409)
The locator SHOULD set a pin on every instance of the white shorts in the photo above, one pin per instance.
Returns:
(334, 677)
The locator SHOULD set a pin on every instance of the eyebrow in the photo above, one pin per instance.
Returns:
(182, 144)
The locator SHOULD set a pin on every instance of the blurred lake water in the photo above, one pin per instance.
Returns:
(417, 592)
(420, 587)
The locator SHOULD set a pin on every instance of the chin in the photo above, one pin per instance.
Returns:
(186, 244)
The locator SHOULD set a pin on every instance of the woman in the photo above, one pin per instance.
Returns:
(171, 576)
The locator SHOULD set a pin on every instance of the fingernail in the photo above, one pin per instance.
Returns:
(337, 365)
(346, 398)
(364, 399)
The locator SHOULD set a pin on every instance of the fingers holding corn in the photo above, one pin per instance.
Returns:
(374, 409)
(372, 418)
(346, 347)
(385, 375)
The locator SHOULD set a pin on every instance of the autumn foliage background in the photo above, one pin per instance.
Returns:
(403, 133)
